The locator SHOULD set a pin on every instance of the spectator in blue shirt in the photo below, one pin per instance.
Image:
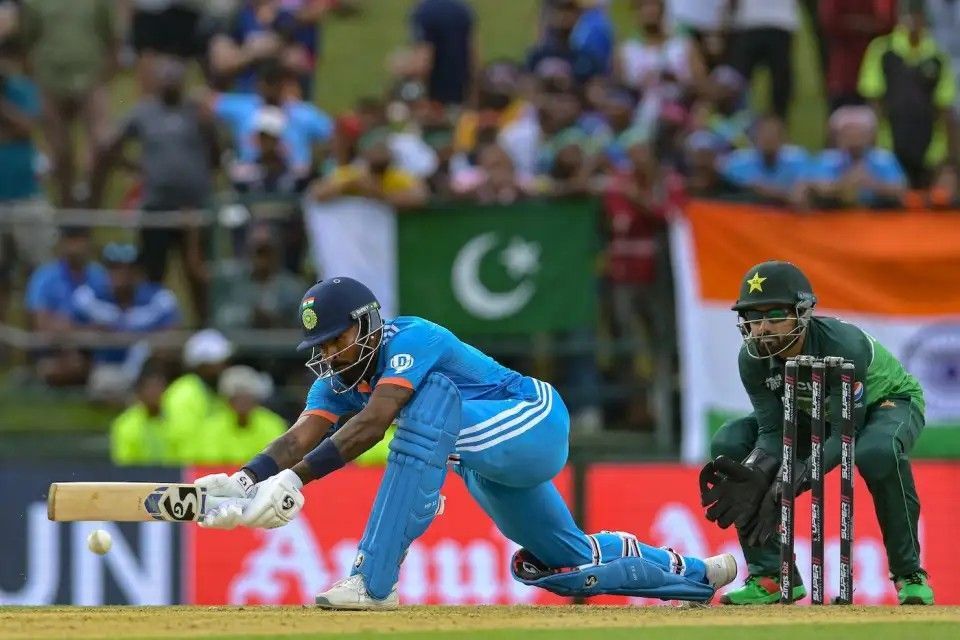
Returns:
(856, 172)
(770, 170)
(48, 302)
(51, 287)
(593, 33)
(129, 304)
(562, 40)
(306, 126)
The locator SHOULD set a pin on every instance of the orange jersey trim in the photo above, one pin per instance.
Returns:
(332, 417)
(400, 382)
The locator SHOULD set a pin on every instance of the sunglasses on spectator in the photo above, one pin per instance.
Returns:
(773, 315)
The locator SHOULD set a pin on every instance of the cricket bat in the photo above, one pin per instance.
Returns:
(127, 501)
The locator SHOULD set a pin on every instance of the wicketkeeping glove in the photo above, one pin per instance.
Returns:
(732, 490)
(766, 523)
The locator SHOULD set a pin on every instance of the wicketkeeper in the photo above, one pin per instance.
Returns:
(741, 486)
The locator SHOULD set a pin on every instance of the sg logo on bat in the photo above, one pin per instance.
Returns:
(176, 503)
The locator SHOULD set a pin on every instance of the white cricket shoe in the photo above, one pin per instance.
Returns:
(721, 570)
(350, 594)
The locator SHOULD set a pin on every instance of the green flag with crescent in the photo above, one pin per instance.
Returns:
(500, 269)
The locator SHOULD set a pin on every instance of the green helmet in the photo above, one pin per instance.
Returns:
(775, 283)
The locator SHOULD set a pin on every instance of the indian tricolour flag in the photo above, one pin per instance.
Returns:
(894, 274)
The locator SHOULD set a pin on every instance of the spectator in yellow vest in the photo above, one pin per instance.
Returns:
(191, 400)
(241, 427)
(141, 435)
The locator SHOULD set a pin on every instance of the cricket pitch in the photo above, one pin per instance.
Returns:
(608, 623)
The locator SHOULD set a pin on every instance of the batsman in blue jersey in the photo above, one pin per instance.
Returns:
(503, 433)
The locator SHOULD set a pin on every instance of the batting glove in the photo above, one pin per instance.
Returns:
(220, 485)
(275, 501)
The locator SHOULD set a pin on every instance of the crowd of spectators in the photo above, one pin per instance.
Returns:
(225, 96)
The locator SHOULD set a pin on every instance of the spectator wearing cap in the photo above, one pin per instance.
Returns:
(771, 170)
(72, 49)
(141, 434)
(191, 400)
(849, 26)
(305, 127)
(128, 306)
(178, 153)
(49, 304)
(856, 172)
(374, 175)
(763, 37)
(241, 427)
(256, 292)
(909, 80)
(271, 171)
(443, 50)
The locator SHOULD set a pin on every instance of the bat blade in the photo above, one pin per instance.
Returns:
(126, 501)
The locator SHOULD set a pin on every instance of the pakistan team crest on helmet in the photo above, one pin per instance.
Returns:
(308, 315)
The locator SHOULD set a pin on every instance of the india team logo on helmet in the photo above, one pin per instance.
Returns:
(308, 315)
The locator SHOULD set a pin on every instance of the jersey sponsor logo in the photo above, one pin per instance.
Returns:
(774, 382)
(401, 362)
(857, 391)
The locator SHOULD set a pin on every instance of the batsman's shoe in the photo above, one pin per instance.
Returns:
(350, 594)
(914, 588)
(721, 570)
(761, 590)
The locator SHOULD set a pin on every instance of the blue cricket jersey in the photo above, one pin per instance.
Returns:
(410, 349)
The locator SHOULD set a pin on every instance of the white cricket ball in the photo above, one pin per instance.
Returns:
(99, 541)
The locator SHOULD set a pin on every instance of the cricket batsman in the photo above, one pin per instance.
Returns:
(741, 486)
(503, 433)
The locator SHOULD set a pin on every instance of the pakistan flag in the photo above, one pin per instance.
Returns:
(501, 269)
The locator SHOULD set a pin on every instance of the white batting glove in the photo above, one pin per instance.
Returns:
(275, 501)
(220, 485)
(223, 513)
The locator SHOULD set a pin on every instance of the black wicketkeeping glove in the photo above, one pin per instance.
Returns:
(732, 490)
(766, 523)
